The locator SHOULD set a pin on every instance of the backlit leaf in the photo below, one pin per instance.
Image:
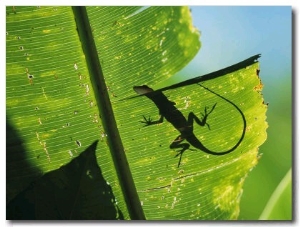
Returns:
(53, 113)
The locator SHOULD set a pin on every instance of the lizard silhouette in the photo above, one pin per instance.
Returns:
(168, 110)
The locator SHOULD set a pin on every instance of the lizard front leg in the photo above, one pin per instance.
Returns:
(201, 122)
(149, 121)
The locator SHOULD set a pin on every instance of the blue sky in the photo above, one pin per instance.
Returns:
(231, 34)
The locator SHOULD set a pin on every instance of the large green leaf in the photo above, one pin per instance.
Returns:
(50, 103)
(205, 186)
(54, 102)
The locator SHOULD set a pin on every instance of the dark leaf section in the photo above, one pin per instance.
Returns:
(209, 76)
(19, 172)
(216, 74)
(75, 191)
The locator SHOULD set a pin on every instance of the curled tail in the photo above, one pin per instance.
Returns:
(196, 143)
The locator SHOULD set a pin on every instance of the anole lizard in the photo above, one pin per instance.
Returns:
(168, 110)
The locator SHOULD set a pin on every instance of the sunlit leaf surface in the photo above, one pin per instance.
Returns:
(50, 104)
(205, 186)
(53, 117)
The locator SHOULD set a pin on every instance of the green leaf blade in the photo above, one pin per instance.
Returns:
(140, 48)
(50, 105)
(137, 59)
(210, 186)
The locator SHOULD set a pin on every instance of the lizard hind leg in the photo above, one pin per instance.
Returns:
(177, 144)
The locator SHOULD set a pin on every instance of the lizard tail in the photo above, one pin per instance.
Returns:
(208, 151)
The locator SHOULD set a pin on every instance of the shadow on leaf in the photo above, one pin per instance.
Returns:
(19, 172)
(75, 191)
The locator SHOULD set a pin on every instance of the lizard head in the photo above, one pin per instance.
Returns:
(141, 90)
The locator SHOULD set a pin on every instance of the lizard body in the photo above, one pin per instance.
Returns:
(168, 110)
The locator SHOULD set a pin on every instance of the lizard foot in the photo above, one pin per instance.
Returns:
(206, 113)
(146, 121)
